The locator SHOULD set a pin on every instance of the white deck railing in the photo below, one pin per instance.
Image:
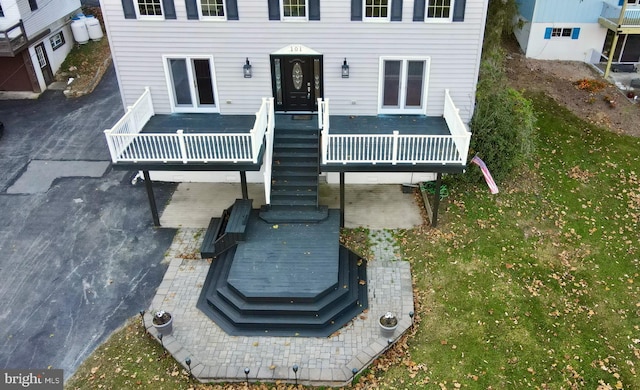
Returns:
(268, 150)
(612, 12)
(398, 148)
(459, 133)
(128, 144)
(122, 134)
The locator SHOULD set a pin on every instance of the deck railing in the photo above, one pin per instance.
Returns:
(611, 12)
(399, 148)
(268, 150)
(128, 144)
(13, 39)
(459, 133)
(124, 132)
(323, 123)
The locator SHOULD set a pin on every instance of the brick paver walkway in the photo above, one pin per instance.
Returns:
(216, 356)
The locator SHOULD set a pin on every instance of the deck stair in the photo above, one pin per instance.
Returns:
(295, 169)
(287, 314)
(226, 231)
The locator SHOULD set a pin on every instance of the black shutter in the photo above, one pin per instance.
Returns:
(418, 10)
(396, 10)
(232, 10)
(458, 10)
(314, 9)
(274, 9)
(33, 4)
(129, 11)
(356, 9)
(192, 9)
(169, 9)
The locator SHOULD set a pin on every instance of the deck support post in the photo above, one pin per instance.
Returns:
(152, 199)
(341, 199)
(243, 184)
(436, 200)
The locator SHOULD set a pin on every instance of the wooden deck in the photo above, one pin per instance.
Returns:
(287, 260)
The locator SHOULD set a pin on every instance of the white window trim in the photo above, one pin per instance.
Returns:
(213, 18)
(374, 19)
(403, 85)
(148, 17)
(439, 20)
(194, 98)
(295, 18)
(570, 36)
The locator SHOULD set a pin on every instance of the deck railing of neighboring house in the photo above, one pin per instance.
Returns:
(128, 144)
(611, 12)
(13, 39)
(268, 150)
(398, 148)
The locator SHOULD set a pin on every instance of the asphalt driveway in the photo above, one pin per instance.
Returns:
(78, 250)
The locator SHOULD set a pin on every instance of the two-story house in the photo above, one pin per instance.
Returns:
(288, 93)
(35, 38)
(593, 31)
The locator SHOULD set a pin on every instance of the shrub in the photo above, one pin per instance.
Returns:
(503, 129)
(590, 85)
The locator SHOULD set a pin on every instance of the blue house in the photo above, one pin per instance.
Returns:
(593, 31)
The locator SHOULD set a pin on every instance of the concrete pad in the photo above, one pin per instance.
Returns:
(40, 174)
(374, 206)
(194, 204)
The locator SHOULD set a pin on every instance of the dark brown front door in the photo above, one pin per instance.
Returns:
(297, 82)
(43, 61)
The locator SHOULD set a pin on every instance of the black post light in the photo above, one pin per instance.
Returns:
(295, 372)
(188, 361)
(246, 373)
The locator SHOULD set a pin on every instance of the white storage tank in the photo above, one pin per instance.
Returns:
(79, 30)
(93, 27)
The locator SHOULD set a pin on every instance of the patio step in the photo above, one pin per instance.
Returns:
(225, 232)
(287, 314)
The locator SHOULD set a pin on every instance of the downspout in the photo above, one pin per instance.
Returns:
(612, 51)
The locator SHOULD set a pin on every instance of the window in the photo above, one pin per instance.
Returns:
(439, 10)
(191, 83)
(403, 85)
(376, 9)
(149, 8)
(33, 4)
(561, 32)
(294, 9)
(57, 40)
(212, 9)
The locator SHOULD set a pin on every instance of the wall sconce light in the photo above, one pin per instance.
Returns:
(246, 69)
(345, 69)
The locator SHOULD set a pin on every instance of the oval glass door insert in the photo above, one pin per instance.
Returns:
(296, 74)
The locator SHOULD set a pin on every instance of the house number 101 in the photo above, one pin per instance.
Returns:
(295, 49)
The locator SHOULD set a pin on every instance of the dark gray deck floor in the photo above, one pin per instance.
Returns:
(339, 124)
(287, 260)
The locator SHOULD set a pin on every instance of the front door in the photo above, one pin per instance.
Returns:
(43, 61)
(297, 82)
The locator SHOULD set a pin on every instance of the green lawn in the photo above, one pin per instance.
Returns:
(535, 287)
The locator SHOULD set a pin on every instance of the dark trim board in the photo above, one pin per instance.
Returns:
(427, 168)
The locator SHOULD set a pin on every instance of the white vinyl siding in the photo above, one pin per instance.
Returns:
(453, 50)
